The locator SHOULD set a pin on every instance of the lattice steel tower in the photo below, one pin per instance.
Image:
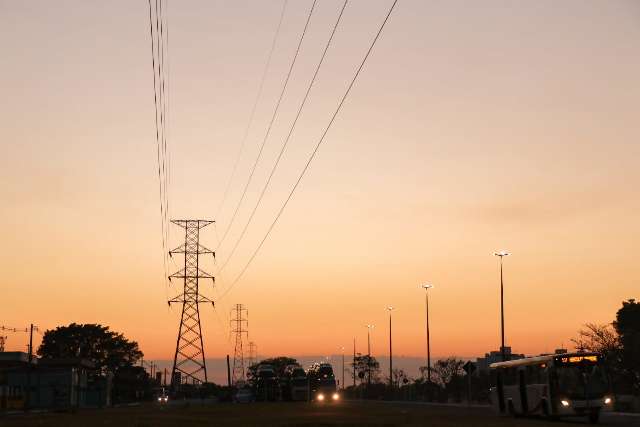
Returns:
(189, 360)
(239, 325)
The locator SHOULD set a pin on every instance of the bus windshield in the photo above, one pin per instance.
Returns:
(582, 381)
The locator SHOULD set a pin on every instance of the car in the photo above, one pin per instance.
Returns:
(244, 395)
(163, 398)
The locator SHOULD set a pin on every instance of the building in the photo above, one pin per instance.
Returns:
(55, 384)
(483, 363)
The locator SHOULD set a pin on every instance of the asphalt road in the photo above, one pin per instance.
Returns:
(293, 414)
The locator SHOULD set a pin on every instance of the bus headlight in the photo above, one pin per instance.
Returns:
(564, 403)
(335, 396)
(607, 401)
(320, 397)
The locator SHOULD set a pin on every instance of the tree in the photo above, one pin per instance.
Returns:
(599, 338)
(447, 370)
(131, 383)
(108, 350)
(627, 325)
(364, 366)
(399, 377)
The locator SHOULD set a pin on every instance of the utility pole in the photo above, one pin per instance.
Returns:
(343, 384)
(189, 359)
(239, 323)
(369, 327)
(354, 363)
(31, 343)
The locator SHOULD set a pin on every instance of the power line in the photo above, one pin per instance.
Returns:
(286, 141)
(313, 154)
(163, 109)
(155, 103)
(273, 117)
(253, 110)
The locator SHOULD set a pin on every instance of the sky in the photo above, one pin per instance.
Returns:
(473, 127)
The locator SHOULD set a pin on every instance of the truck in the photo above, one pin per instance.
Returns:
(266, 384)
(322, 383)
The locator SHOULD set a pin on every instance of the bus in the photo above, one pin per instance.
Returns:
(558, 385)
(322, 383)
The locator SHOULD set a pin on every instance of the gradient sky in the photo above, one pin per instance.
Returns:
(475, 126)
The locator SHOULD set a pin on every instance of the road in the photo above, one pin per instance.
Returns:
(293, 414)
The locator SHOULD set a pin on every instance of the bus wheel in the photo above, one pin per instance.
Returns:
(594, 416)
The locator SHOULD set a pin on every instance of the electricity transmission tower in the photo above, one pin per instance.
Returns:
(239, 323)
(2, 341)
(189, 360)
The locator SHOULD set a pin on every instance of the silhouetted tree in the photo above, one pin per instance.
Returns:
(627, 325)
(449, 374)
(108, 350)
(363, 365)
(131, 383)
(600, 338)
(399, 377)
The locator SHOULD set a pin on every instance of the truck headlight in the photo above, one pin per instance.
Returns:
(320, 396)
(335, 396)
(564, 403)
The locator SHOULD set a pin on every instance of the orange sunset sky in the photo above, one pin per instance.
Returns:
(475, 126)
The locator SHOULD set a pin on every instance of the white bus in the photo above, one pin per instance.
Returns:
(557, 385)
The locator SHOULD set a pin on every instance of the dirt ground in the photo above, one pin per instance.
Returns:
(291, 414)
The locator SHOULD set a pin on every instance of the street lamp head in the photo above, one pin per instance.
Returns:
(501, 253)
(390, 308)
(370, 326)
(427, 286)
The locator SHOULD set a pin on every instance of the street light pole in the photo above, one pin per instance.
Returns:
(390, 309)
(426, 288)
(502, 254)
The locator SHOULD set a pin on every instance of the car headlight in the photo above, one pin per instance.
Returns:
(564, 403)
(321, 396)
(159, 399)
(607, 400)
(335, 396)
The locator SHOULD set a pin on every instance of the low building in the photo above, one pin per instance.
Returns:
(54, 384)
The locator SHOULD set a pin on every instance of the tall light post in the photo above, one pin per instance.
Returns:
(426, 288)
(502, 254)
(390, 309)
(369, 327)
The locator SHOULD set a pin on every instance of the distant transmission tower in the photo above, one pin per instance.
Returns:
(189, 360)
(253, 353)
(3, 340)
(239, 324)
